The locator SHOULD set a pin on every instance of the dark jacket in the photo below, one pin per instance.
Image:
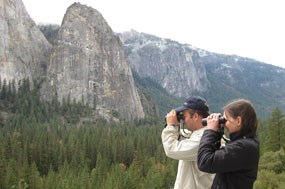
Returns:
(235, 165)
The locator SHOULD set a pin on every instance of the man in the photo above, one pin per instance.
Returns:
(185, 147)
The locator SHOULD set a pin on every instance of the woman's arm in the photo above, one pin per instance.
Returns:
(237, 155)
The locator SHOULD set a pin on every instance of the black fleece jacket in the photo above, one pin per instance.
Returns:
(235, 164)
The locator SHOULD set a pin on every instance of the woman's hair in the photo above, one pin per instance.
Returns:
(245, 110)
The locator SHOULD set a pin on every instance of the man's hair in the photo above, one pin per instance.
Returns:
(203, 114)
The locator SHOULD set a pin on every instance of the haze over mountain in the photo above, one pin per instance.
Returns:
(84, 60)
(217, 26)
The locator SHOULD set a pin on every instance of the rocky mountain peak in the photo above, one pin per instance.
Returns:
(88, 63)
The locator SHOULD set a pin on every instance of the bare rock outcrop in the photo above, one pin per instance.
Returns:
(177, 68)
(88, 64)
(24, 51)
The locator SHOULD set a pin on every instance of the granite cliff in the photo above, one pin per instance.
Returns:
(88, 63)
(24, 50)
(85, 63)
(176, 67)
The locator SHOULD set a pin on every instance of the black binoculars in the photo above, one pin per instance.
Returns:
(222, 120)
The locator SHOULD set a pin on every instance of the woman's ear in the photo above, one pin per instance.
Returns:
(238, 121)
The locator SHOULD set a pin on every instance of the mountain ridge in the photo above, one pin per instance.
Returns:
(86, 61)
(229, 76)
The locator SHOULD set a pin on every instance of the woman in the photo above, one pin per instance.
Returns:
(235, 164)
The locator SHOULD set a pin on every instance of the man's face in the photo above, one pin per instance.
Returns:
(189, 120)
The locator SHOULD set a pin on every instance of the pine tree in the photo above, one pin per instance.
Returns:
(100, 171)
(116, 177)
(271, 170)
(3, 169)
(3, 90)
(276, 132)
(273, 161)
(34, 177)
(1, 120)
(11, 177)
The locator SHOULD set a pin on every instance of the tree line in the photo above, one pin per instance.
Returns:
(49, 145)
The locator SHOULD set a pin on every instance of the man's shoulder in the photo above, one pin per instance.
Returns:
(199, 131)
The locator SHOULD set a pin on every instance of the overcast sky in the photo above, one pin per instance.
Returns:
(248, 28)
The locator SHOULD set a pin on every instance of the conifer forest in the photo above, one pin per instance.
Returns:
(57, 145)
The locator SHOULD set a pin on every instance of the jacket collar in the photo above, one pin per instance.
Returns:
(238, 135)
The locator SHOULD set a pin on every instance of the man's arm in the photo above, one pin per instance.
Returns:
(181, 150)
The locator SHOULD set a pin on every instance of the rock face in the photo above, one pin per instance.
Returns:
(184, 70)
(233, 77)
(177, 68)
(88, 63)
(24, 50)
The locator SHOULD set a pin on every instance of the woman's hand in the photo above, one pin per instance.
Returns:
(213, 121)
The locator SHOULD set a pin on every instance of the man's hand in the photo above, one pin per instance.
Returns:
(171, 118)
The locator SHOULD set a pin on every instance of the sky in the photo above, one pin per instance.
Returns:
(247, 28)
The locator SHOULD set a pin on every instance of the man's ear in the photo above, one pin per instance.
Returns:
(196, 115)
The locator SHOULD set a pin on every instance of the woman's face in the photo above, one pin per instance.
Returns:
(232, 124)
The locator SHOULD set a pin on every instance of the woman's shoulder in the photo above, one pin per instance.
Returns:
(248, 144)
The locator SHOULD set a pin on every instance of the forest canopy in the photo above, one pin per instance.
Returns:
(61, 145)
